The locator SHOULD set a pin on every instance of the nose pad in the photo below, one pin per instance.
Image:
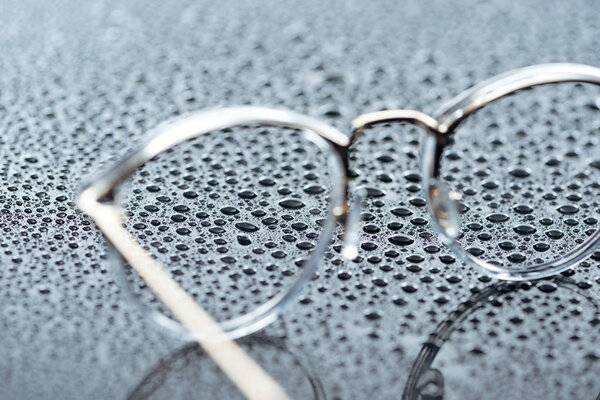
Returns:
(352, 224)
(431, 385)
(444, 207)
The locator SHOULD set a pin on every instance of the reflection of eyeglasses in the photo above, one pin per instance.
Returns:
(427, 382)
(244, 252)
(187, 370)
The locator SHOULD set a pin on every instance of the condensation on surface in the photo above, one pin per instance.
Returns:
(80, 85)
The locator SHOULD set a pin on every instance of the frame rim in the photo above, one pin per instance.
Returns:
(455, 111)
(439, 129)
(100, 192)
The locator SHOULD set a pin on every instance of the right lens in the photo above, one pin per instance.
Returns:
(233, 216)
(526, 168)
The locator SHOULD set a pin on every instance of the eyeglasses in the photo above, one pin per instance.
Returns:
(244, 201)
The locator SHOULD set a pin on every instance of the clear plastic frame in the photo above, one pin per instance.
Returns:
(98, 198)
(445, 202)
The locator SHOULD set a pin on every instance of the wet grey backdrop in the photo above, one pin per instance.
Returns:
(81, 83)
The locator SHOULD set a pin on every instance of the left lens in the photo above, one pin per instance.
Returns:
(234, 216)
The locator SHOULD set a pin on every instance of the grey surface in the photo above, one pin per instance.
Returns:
(81, 83)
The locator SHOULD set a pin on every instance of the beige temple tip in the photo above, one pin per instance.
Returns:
(249, 377)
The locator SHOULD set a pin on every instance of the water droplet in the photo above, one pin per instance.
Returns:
(400, 240)
(292, 204)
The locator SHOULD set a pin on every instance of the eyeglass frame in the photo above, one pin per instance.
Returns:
(439, 132)
(96, 197)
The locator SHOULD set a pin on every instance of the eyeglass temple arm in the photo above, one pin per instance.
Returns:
(247, 375)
